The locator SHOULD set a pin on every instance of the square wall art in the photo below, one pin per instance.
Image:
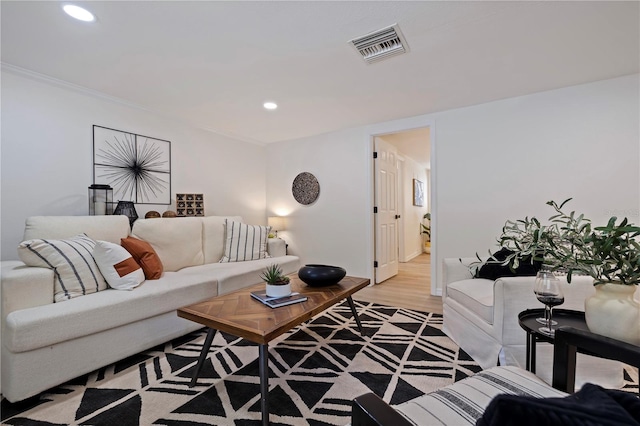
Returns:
(137, 167)
(189, 205)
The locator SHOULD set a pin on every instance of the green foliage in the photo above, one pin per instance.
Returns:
(273, 275)
(569, 243)
(426, 229)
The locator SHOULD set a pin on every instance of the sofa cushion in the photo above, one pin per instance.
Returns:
(117, 266)
(178, 241)
(43, 326)
(213, 237)
(105, 228)
(75, 270)
(236, 275)
(244, 242)
(474, 294)
(145, 256)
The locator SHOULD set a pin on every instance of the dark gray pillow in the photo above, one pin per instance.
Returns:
(591, 406)
(492, 269)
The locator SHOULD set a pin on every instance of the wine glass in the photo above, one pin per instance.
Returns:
(543, 274)
(550, 293)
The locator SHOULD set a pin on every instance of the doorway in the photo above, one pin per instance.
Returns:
(402, 199)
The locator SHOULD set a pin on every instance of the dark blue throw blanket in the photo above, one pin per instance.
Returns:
(591, 406)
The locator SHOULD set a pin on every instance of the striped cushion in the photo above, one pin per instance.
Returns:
(244, 242)
(75, 270)
(463, 402)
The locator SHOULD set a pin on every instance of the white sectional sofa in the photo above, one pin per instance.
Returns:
(45, 344)
(481, 316)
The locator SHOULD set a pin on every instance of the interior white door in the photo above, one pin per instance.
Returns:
(386, 201)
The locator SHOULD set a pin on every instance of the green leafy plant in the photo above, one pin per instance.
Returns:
(273, 275)
(608, 254)
(569, 243)
(426, 229)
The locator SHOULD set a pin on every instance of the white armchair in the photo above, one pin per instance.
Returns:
(481, 316)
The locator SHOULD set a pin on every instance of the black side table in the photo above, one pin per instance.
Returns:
(527, 320)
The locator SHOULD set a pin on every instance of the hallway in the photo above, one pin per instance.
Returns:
(409, 289)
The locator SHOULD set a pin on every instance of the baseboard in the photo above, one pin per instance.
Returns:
(412, 256)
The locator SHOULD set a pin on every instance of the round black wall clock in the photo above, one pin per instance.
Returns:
(305, 188)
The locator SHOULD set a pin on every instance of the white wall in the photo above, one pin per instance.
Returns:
(329, 231)
(492, 162)
(47, 158)
(506, 159)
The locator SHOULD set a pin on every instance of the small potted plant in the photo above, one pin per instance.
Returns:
(278, 285)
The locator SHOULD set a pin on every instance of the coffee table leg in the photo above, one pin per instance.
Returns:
(355, 313)
(203, 356)
(263, 361)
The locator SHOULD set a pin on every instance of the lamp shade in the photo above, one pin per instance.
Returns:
(277, 223)
(128, 209)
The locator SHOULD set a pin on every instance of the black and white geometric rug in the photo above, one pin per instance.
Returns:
(315, 372)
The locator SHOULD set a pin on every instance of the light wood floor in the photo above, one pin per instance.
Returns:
(410, 289)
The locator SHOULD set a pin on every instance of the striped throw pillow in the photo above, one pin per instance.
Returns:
(244, 242)
(75, 272)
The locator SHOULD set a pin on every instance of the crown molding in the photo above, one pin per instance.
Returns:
(33, 75)
(13, 69)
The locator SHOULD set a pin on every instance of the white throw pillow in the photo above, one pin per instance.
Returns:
(75, 272)
(244, 242)
(213, 237)
(117, 265)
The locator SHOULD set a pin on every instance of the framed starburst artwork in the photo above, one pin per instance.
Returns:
(137, 167)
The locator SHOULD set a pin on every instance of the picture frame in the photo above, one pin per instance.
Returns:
(418, 193)
(138, 167)
(189, 205)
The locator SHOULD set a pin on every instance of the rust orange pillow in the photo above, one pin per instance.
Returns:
(145, 255)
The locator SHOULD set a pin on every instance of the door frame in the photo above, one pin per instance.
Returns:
(395, 127)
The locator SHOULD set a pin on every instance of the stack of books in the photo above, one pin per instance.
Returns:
(276, 302)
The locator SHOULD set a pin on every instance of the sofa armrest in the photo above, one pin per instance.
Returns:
(455, 269)
(569, 340)
(24, 286)
(370, 410)
(276, 247)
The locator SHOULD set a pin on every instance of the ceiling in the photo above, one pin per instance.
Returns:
(213, 63)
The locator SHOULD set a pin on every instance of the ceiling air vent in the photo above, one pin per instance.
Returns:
(381, 44)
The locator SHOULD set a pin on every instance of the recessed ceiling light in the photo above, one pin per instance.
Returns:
(78, 13)
(270, 105)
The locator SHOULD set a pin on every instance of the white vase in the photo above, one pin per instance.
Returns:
(614, 313)
(278, 290)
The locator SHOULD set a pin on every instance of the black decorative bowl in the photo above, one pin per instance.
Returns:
(321, 275)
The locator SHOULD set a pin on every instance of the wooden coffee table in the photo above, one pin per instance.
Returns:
(237, 313)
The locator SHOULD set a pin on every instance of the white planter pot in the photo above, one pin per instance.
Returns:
(278, 290)
(613, 312)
